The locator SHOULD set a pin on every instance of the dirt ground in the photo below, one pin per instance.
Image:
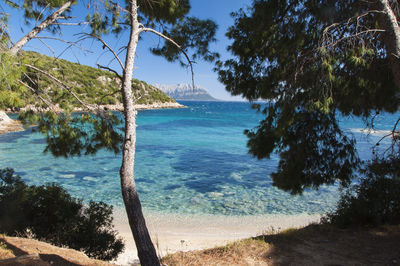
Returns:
(16, 251)
(312, 245)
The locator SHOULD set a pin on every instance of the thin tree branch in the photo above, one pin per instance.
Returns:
(45, 44)
(105, 45)
(92, 108)
(111, 70)
(174, 43)
(333, 34)
(64, 41)
(48, 103)
(71, 23)
(109, 94)
(89, 107)
(40, 14)
(351, 37)
(393, 133)
(348, 21)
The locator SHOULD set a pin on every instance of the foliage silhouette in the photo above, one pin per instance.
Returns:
(310, 60)
(373, 202)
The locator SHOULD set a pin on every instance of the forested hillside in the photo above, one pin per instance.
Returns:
(92, 85)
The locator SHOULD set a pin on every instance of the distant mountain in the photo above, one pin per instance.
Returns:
(185, 92)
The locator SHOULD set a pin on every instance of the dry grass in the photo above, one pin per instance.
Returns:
(244, 252)
(312, 245)
(11, 247)
(5, 253)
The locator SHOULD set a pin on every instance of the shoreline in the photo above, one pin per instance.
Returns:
(8, 125)
(172, 232)
(154, 106)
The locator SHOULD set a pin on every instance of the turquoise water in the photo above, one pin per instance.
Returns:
(192, 160)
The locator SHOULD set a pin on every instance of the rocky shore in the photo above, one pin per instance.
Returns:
(10, 125)
(119, 107)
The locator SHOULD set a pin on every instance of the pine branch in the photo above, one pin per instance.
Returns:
(111, 70)
(105, 45)
(87, 106)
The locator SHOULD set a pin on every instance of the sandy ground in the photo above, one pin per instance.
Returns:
(177, 232)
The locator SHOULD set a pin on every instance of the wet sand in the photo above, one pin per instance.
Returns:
(183, 232)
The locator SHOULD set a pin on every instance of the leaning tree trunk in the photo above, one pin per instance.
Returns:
(35, 31)
(146, 251)
(392, 38)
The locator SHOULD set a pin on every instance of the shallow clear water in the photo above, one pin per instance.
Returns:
(191, 160)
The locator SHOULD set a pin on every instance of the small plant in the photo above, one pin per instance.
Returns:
(49, 213)
(3, 245)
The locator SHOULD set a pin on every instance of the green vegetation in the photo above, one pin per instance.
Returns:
(373, 202)
(312, 62)
(93, 86)
(75, 134)
(289, 53)
(49, 213)
(10, 73)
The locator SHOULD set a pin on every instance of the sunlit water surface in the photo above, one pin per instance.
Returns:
(190, 161)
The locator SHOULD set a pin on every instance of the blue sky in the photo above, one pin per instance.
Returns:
(149, 68)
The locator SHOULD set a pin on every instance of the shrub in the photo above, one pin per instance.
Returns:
(373, 202)
(52, 215)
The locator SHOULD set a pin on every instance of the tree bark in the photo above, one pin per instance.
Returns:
(392, 38)
(35, 31)
(146, 251)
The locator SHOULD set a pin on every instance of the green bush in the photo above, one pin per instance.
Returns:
(52, 215)
(373, 202)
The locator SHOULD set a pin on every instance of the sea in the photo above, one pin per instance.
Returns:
(192, 160)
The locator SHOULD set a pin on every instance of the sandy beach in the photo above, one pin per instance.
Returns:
(183, 232)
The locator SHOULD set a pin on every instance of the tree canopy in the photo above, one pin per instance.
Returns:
(311, 60)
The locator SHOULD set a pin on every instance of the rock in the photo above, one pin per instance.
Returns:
(9, 125)
(4, 117)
